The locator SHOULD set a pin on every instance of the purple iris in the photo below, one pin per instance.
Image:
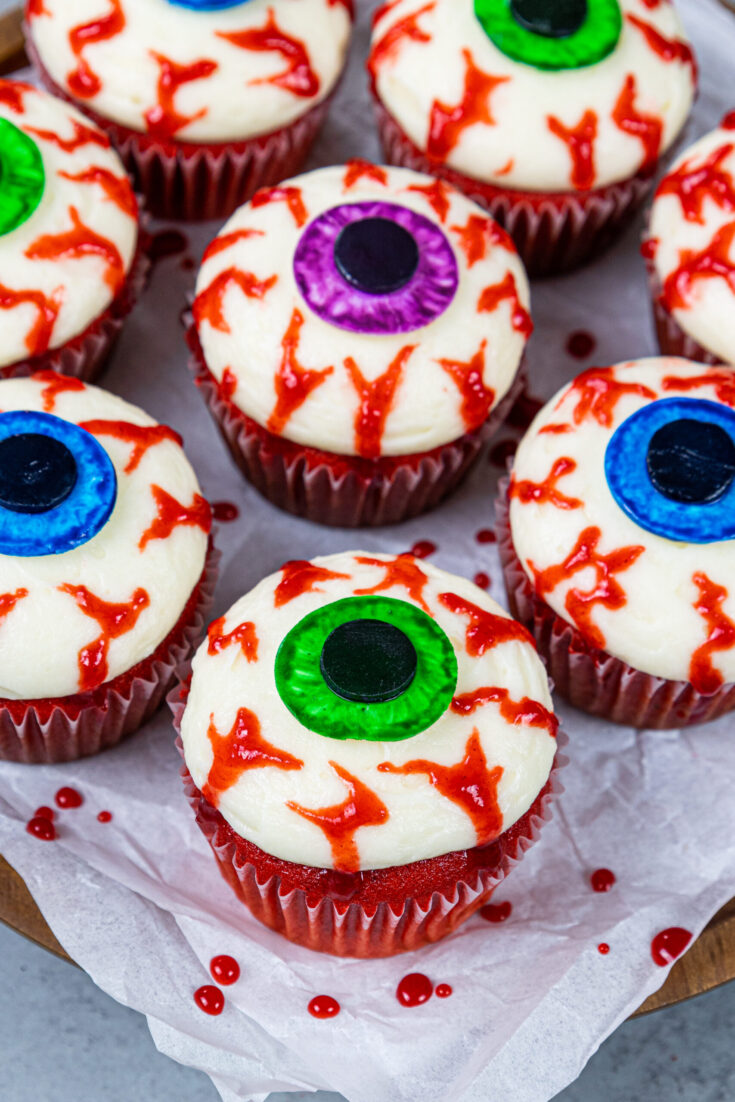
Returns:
(375, 268)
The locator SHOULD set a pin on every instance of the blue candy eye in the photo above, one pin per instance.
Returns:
(57, 485)
(208, 5)
(671, 468)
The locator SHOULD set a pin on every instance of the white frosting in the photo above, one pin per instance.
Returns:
(658, 628)
(80, 287)
(237, 99)
(421, 822)
(427, 405)
(43, 634)
(519, 149)
(706, 309)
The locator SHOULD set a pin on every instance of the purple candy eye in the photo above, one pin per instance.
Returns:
(375, 268)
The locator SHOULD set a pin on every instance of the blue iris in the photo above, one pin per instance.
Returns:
(671, 468)
(57, 485)
(208, 5)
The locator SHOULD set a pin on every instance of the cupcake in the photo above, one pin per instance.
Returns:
(690, 251)
(552, 116)
(71, 255)
(618, 541)
(206, 101)
(357, 333)
(369, 745)
(106, 574)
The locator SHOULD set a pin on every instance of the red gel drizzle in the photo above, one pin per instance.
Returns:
(486, 629)
(241, 749)
(209, 999)
(83, 135)
(482, 579)
(12, 92)
(207, 305)
(44, 813)
(469, 784)
(403, 572)
(443, 990)
(496, 912)
(116, 188)
(244, 636)
(78, 242)
(389, 45)
(299, 577)
(298, 77)
(603, 948)
(55, 385)
(546, 492)
(357, 169)
(423, 548)
(361, 807)
(113, 619)
(580, 141)
(163, 120)
(83, 81)
(224, 969)
(294, 383)
(39, 335)
(524, 410)
(375, 401)
(599, 393)
(437, 195)
(478, 235)
(324, 1006)
(104, 817)
(506, 291)
(647, 128)
(172, 514)
(477, 397)
(693, 184)
(713, 262)
(486, 535)
(42, 828)
(602, 880)
(167, 243)
(142, 437)
(501, 452)
(669, 944)
(447, 123)
(227, 240)
(580, 344)
(414, 989)
(290, 195)
(723, 381)
(702, 673)
(669, 49)
(521, 713)
(225, 511)
(68, 798)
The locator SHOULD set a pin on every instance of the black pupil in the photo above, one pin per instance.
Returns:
(550, 18)
(37, 473)
(376, 255)
(691, 461)
(368, 661)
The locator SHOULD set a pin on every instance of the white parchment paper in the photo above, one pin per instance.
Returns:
(139, 903)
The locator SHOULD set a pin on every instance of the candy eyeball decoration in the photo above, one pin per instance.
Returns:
(563, 34)
(208, 5)
(22, 175)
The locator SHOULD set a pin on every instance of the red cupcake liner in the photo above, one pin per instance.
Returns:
(590, 678)
(376, 913)
(342, 491)
(672, 340)
(194, 181)
(70, 727)
(85, 355)
(554, 232)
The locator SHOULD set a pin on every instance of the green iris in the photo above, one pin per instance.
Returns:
(552, 34)
(370, 668)
(22, 177)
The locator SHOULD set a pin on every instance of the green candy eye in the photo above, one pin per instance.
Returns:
(369, 668)
(22, 178)
(552, 34)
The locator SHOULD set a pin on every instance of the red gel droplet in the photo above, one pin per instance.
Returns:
(188, 264)
(443, 990)
(483, 580)
(209, 999)
(524, 410)
(502, 452)
(497, 912)
(423, 549)
(603, 948)
(669, 944)
(167, 243)
(602, 880)
(324, 1006)
(581, 344)
(44, 813)
(414, 989)
(224, 969)
(68, 798)
(41, 828)
(486, 535)
(225, 511)
(104, 817)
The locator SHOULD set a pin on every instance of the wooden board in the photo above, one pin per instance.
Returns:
(709, 963)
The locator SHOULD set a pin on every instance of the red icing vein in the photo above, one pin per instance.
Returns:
(599, 393)
(83, 135)
(208, 304)
(404, 29)
(244, 636)
(81, 241)
(376, 401)
(546, 492)
(300, 576)
(722, 380)
(580, 140)
(647, 128)
(83, 81)
(114, 620)
(163, 120)
(478, 234)
(226, 240)
(447, 124)
(172, 514)
(292, 196)
(12, 93)
(41, 330)
(694, 183)
(702, 673)
(477, 398)
(298, 77)
(521, 713)
(506, 291)
(713, 262)
(437, 195)
(241, 749)
(401, 571)
(55, 385)
(294, 383)
(486, 629)
(669, 49)
(142, 437)
(116, 188)
(356, 169)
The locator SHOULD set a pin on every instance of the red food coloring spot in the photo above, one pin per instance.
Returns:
(167, 243)
(482, 580)
(447, 122)
(423, 548)
(486, 535)
(496, 912)
(728, 123)
(443, 990)
(602, 880)
(603, 948)
(104, 817)
(502, 452)
(44, 813)
(209, 999)
(414, 989)
(581, 344)
(224, 969)
(68, 798)
(324, 1006)
(669, 944)
(649, 248)
(188, 264)
(225, 511)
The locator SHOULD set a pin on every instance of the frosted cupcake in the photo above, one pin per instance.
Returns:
(105, 567)
(369, 745)
(71, 254)
(553, 116)
(357, 334)
(207, 100)
(690, 251)
(619, 541)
